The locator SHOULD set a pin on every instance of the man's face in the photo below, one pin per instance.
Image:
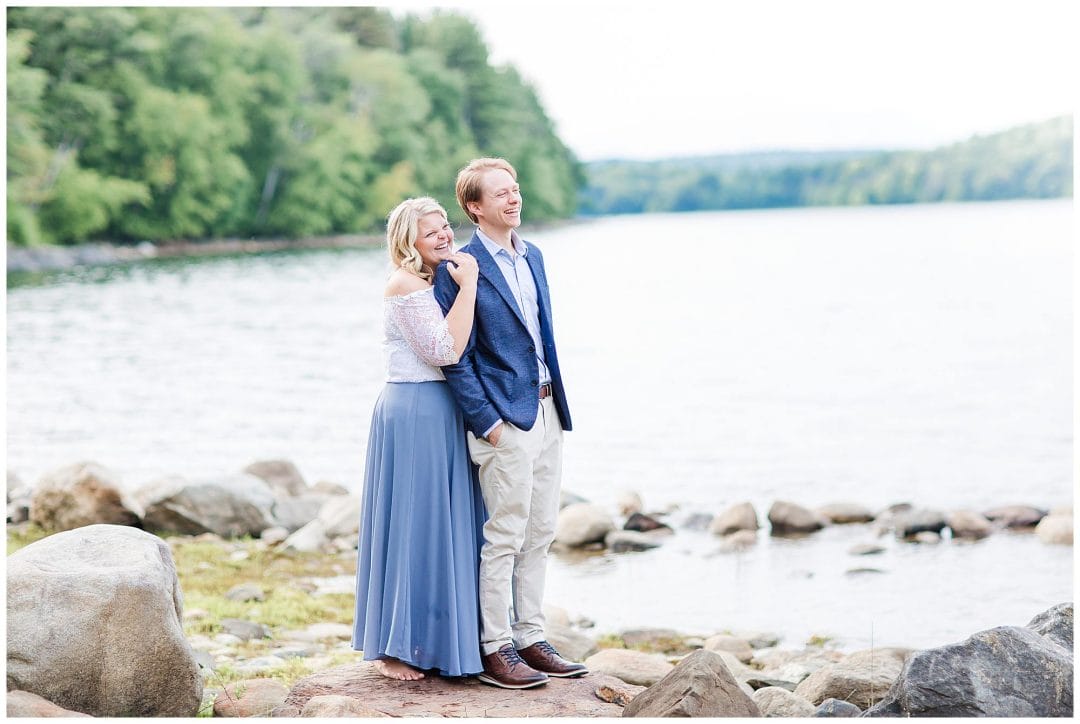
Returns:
(500, 200)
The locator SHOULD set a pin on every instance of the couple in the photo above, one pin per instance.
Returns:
(439, 584)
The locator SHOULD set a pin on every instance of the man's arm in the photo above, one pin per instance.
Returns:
(480, 414)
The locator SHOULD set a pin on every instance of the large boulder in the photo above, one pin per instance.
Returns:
(862, 678)
(700, 685)
(94, 624)
(81, 494)
(582, 523)
(1007, 671)
(439, 696)
(738, 517)
(281, 475)
(25, 704)
(787, 518)
(1055, 624)
(229, 506)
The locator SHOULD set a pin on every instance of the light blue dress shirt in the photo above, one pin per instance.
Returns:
(519, 278)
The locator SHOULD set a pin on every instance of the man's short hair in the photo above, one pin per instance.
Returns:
(467, 186)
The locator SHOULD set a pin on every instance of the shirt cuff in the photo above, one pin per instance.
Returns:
(488, 431)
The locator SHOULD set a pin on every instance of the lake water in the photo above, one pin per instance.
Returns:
(872, 355)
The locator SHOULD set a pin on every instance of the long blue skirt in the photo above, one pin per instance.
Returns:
(421, 532)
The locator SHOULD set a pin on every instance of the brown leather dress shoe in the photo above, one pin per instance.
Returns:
(506, 669)
(542, 656)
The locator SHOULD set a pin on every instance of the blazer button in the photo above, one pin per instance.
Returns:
(532, 348)
(535, 382)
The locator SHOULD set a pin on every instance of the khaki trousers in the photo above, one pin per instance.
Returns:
(519, 480)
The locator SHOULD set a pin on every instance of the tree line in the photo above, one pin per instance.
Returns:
(142, 123)
(1030, 161)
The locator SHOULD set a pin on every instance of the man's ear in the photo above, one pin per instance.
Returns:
(473, 208)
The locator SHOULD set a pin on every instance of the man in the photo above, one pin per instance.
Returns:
(508, 385)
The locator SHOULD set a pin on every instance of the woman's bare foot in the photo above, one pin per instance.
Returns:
(396, 669)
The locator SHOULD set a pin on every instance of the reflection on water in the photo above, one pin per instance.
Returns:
(871, 355)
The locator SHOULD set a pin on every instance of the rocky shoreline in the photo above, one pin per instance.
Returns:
(245, 590)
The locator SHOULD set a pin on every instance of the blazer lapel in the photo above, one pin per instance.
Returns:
(541, 284)
(491, 271)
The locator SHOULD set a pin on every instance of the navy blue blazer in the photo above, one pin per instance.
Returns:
(498, 374)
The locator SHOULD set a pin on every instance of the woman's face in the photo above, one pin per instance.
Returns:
(434, 239)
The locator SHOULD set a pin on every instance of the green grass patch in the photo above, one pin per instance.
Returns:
(22, 535)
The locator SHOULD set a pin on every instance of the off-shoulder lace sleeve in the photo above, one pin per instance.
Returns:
(423, 326)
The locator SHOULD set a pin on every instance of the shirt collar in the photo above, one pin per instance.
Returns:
(494, 249)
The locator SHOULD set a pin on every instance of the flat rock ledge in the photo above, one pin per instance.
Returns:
(452, 697)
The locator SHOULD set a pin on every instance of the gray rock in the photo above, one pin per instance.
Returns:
(633, 667)
(723, 642)
(582, 523)
(230, 506)
(245, 592)
(245, 630)
(327, 488)
(94, 624)
(622, 541)
(311, 538)
(341, 516)
(757, 682)
(862, 678)
(928, 537)
(81, 494)
(787, 518)
(919, 520)
(570, 644)
(1055, 624)
(846, 513)
(1007, 671)
(294, 513)
(738, 517)
(644, 523)
(25, 704)
(281, 475)
(774, 701)
(1056, 530)
(700, 686)
(758, 639)
(969, 524)
(836, 707)
(1015, 516)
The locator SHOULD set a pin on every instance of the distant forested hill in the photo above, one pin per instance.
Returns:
(159, 123)
(1031, 161)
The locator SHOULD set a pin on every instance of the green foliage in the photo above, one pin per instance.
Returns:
(1033, 161)
(161, 123)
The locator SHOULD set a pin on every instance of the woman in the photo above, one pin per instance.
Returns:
(422, 523)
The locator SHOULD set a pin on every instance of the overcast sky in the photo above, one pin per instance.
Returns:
(637, 80)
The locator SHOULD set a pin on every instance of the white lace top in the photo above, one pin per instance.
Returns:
(417, 338)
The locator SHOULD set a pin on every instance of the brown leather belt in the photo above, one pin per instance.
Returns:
(545, 391)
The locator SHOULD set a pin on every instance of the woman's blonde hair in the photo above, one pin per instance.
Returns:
(402, 228)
